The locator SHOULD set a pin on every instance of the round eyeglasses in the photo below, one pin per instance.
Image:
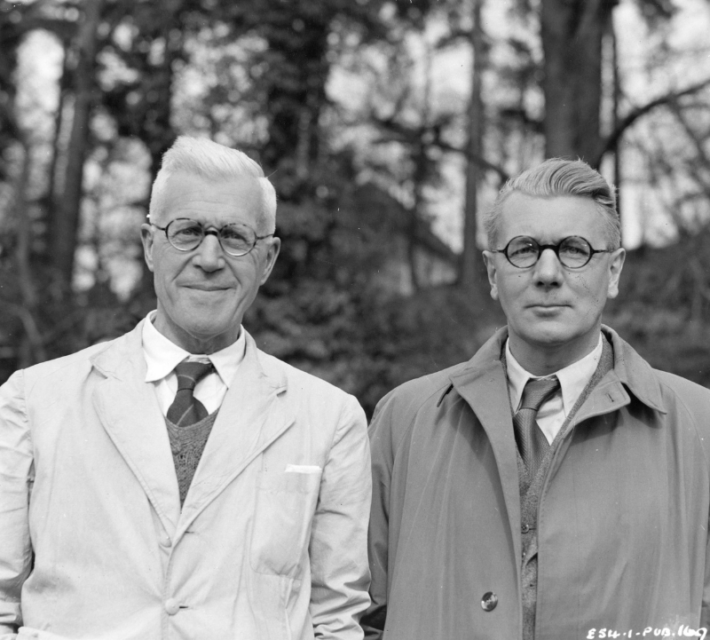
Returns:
(573, 252)
(236, 239)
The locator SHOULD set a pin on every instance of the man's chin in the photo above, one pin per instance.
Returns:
(204, 332)
(548, 335)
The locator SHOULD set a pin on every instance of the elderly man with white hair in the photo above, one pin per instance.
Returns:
(177, 482)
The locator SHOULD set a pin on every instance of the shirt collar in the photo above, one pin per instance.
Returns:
(162, 355)
(573, 378)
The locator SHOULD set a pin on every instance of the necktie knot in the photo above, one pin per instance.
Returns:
(537, 390)
(186, 409)
(190, 373)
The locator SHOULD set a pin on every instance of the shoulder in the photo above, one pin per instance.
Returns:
(296, 378)
(60, 371)
(667, 392)
(412, 408)
(428, 391)
(424, 387)
(687, 406)
(691, 395)
(46, 384)
(420, 394)
(683, 406)
(682, 386)
(306, 389)
(656, 387)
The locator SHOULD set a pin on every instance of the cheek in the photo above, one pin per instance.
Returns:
(166, 269)
(248, 274)
(592, 292)
(507, 298)
(512, 286)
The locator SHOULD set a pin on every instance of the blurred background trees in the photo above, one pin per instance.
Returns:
(387, 126)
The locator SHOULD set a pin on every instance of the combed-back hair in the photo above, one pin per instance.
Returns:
(560, 177)
(216, 163)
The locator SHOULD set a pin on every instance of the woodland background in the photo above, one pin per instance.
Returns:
(387, 127)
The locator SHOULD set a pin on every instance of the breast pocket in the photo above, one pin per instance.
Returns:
(286, 502)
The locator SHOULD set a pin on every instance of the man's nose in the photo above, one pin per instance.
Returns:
(548, 269)
(209, 255)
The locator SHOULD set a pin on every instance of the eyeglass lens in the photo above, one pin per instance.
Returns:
(573, 252)
(186, 235)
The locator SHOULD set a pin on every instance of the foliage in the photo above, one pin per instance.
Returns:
(360, 119)
(663, 308)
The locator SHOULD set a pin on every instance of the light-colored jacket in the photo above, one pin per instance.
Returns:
(622, 523)
(270, 542)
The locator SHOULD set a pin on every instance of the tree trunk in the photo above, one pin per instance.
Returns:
(64, 219)
(295, 90)
(572, 35)
(158, 129)
(616, 105)
(31, 348)
(471, 265)
(52, 199)
(420, 175)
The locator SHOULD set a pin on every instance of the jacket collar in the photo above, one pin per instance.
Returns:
(635, 373)
(129, 411)
(630, 369)
(123, 358)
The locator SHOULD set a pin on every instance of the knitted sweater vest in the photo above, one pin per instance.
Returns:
(187, 445)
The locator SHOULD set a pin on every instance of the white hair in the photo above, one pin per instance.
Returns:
(217, 163)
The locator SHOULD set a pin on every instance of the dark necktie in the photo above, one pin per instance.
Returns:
(532, 443)
(186, 409)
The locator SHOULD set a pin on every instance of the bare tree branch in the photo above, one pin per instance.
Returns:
(401, 133)
(479, 160)
(630, 118)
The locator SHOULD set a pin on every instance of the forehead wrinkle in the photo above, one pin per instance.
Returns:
(552, 240)
(219, 226)
(223, 217)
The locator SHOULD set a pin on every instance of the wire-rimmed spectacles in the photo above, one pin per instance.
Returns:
(236, 239)
(573, 252)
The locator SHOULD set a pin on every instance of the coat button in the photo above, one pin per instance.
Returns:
(165, 541)
(525, 528)
(490, 601)
(172, 606)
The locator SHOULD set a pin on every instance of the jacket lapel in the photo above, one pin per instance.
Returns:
(631, 375)
(483, 385)
(129, 412)
(253, 414)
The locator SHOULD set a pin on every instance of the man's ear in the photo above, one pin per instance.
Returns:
(616, 264)
(489, 260)
(147, 240)
(272, 252)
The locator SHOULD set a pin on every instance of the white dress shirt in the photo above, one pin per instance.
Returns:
(162, 356)
(573, 378)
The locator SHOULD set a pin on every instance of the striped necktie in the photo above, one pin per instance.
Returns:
(532, 443)
(186, 409)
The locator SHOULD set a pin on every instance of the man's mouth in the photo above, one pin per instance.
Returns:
(548, 305)
(206, 287)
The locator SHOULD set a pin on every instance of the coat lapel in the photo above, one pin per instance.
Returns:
(483, 385)
(129, 412)
(253, 414)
